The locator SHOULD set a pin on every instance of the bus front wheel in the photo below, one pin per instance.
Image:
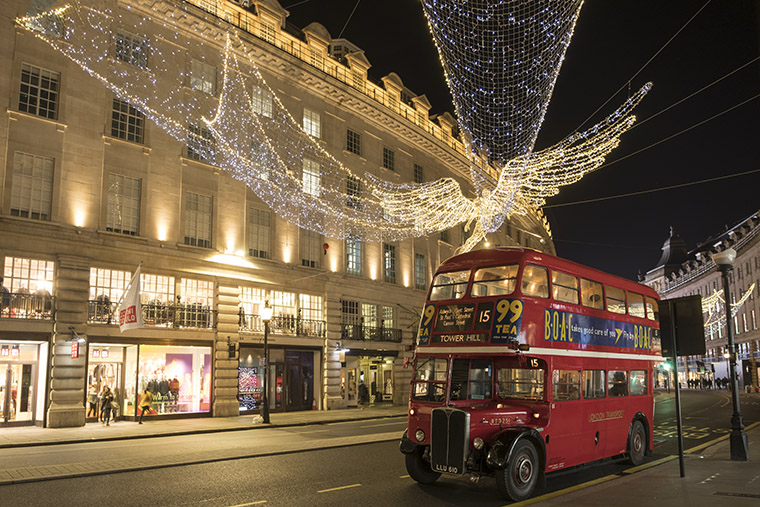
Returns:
(419, 469)
(518, 479)
(637, 444)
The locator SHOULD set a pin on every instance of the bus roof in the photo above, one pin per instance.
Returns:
(503, 255)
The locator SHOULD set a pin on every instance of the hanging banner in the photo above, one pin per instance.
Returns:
(130, 311)
(74, 350)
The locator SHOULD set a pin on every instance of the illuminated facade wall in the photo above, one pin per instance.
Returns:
(698, 275)
(85, 185)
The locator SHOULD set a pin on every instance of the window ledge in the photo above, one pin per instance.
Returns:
(15, 115)
(121, 235)
(111, 139)
(187, 161)
(193, 248)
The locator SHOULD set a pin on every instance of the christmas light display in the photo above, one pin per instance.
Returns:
(501, 60)
(713, 306)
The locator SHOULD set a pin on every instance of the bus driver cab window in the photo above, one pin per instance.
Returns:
(470, 379)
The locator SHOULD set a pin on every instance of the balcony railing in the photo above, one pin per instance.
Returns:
(157, 314)
(283, 324)
(369, 333)
(22, 305)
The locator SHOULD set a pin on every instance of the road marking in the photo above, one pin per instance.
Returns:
(565, 491)
(404, 476)
(628, 471)
(383, 424)
(639, 468)
(259, 502)
(719, 439)
(339, 488)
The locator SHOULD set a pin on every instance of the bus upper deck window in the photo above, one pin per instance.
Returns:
(653, 312)
(615, 299)
(451, 285)
(535, 281)
(564, 287)
(495, 281)
(636, 305)
(592, 294)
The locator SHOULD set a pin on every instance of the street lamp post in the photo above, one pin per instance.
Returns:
(739, 447)
(266, 316)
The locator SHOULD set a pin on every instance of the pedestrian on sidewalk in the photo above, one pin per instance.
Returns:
(146, 404)
(363, 395)
(92, 399)
(106, 400)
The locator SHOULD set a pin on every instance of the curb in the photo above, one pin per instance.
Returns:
(190, 432)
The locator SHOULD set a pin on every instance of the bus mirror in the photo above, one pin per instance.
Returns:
(523, 347)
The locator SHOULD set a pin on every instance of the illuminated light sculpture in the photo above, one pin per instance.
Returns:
(501, 60)
(714, 304)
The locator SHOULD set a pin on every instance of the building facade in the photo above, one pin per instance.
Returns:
(682, 272)
(89, 190)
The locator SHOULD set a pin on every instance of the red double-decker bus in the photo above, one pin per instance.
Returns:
(527, 364)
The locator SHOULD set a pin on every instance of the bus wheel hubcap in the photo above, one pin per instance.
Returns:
(637, 443)
(524, 470)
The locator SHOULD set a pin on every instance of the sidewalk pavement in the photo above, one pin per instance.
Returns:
(28, 436)
(711, 479)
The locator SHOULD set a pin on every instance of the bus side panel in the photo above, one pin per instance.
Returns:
(564, 448)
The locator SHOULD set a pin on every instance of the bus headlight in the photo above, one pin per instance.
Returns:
(419, 435)
(478, 443)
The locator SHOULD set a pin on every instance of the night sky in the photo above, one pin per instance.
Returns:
(611, 44)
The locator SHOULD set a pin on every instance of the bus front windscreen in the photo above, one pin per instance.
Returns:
(429, 382)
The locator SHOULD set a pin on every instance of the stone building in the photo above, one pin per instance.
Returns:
(89, 190)
(683, 272)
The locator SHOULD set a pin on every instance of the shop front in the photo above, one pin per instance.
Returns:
(290, 385)
(23, 372)
(367, 376)
(179, 376)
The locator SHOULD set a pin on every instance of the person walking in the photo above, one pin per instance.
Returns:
(106, 399)
(92, 399)
(146, 404)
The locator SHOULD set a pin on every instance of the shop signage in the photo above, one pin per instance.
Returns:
(95, 353)
(104, 353)
(15, 352)
(5, 351)
(74, 350)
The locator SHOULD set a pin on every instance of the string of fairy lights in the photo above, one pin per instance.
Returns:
(501, 60)
(713, 306)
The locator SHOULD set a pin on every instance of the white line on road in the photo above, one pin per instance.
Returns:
(396, 423)
(252, 503)
(339, 488)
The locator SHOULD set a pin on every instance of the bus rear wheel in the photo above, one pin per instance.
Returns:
(637, 444)
(419, 469)
(518, 479)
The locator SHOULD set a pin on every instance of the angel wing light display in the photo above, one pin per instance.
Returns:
(501, 60)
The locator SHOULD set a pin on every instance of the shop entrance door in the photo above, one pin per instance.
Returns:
(99, 376)
(16, 394)
(300, 367)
